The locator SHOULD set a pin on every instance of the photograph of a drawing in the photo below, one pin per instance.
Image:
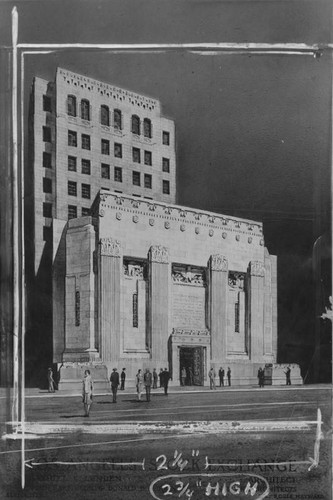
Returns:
(166, 310)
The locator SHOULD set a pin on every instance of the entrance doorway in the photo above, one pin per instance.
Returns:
(191, 366)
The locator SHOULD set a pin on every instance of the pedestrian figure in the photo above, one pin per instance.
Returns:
(221, 376)
(123, 378)
(154, 378)
(261, 377)
(229, 376)
(190, 372)
(50, 380)
(212, 376)
(165, 379)
(139, 383)
(160, 376)
(114, 379)
(148, 381)
(288, 381)
(183, 376)
(87, 392)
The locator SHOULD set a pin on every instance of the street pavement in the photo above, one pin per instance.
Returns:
(228, 443)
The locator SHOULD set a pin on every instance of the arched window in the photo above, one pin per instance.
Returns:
(85, 109)
(71, 105)
(135, 125)
(117, 119)
(105, 115)
(147, 128)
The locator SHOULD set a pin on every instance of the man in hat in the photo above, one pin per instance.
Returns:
(114, 379)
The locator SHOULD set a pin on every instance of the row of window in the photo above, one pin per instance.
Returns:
(117, 176)
(137, 127)
(86, 164)
(72, 214)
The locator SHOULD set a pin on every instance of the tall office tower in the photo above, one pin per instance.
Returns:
(86, 135)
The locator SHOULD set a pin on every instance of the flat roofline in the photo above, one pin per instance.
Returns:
(179, 207)
(91, 78)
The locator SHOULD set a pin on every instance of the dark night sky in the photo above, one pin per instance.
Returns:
(253, 132)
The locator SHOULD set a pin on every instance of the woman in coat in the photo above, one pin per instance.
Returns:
(87, 392)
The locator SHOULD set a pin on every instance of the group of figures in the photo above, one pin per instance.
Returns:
(186, 376)
(261, 376)
(148, 381)
(212, 376)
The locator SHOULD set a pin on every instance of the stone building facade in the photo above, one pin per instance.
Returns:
(119, 275)
(151, 284)
(86, 135)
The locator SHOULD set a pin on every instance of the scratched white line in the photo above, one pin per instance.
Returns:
(30, 463)
(99, 443)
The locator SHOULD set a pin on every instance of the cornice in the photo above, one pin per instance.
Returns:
(179, 217)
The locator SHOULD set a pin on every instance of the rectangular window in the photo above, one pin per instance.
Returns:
(136, 155)
(46, 134)
(47, 160)
(148, 181)
(237, 317)
(136, 178)
(85, 141)
(148, 157)
(105, 147)
(135, 311)
(85, 211)
(46, 103)
(72, 163)
(77, 308)
(47, 209)
(165, 165)
(118, 174)
(166, 138)
(166, 187)
(47, 185)
(85, 191)
(105, 171)
(47, 234)
(72, 188)
(72, 212)
(72, 138)
(118, 150)
(85, 166)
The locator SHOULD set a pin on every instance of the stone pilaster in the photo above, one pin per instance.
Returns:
(79, 293)
(110, 264)
(218, 283)
(256, 273)
(158, 303)
(268, 309)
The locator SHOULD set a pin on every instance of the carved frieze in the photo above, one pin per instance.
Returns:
(218, 263)
(236, 280)
(257, 268)
(110, 247)
(133, 269)
(188, 276)
(158, 253)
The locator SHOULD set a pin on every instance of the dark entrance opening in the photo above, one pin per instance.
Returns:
(191, 367)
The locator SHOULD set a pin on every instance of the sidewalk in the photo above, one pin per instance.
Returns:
(36, 392)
